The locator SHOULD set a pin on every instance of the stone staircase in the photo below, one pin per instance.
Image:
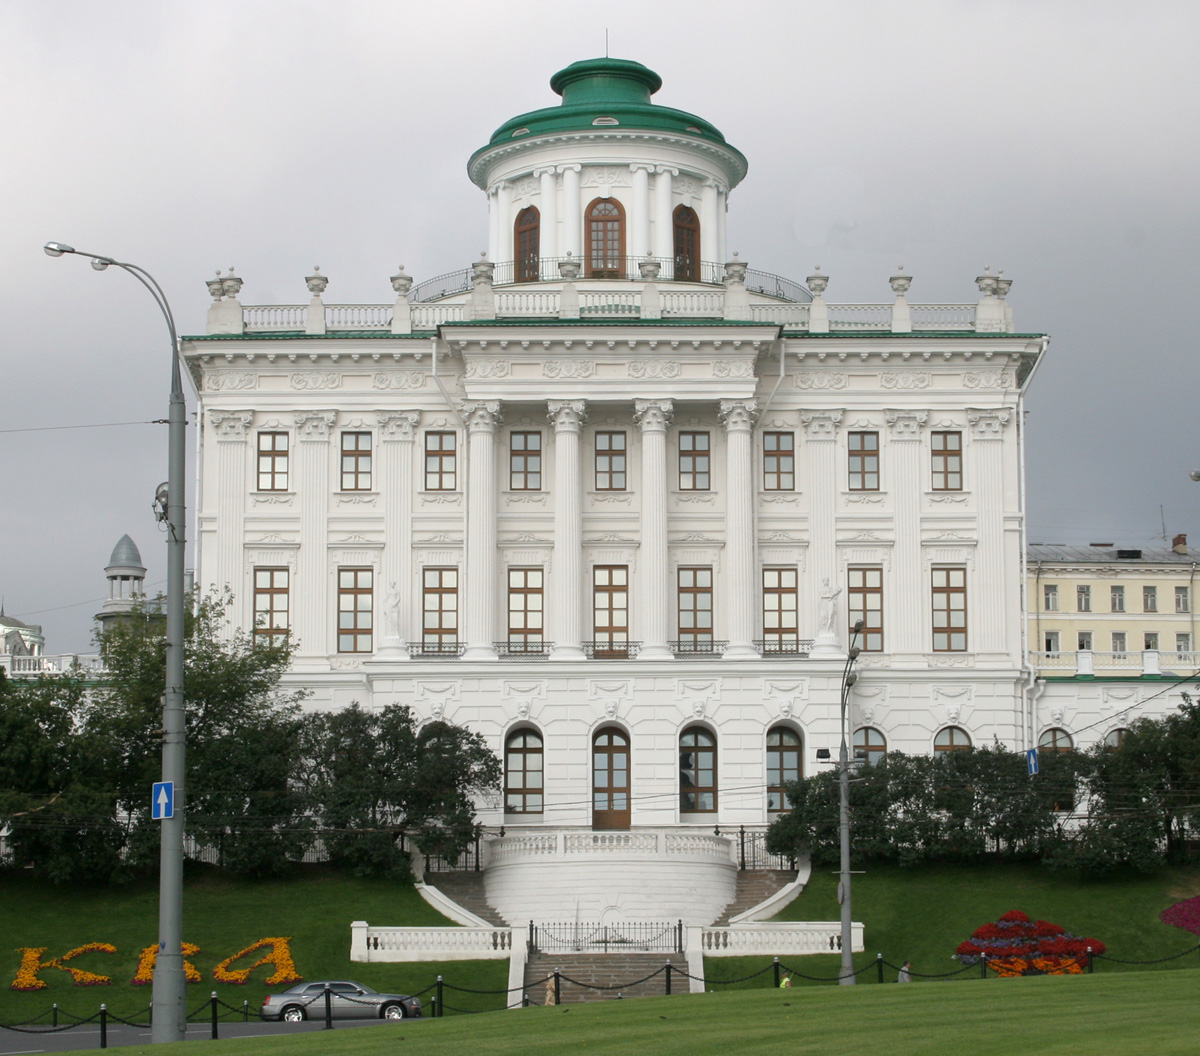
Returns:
(616, 970)
(466, 888)
(754, 886)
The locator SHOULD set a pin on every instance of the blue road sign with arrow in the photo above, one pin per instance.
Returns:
(1031, 759)
(162, 800)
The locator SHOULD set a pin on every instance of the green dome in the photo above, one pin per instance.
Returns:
(599, 94)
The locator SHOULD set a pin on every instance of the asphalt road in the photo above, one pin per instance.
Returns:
(87, 1035)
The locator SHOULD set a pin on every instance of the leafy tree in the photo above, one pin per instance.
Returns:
(375, 778)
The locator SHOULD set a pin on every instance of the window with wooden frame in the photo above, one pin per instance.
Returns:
(870, 745)
(610, 461)
(272, 461)
(439, 604)
(355, 608)
(271, 609)
(952, 739)
(864, 461)
(695, 609)
(610, 609)
(697, 771)
(526, 610)
(523, 773)
(784, 766)
(864, 601)
(526, 239)
(1056, 742)
(525, 461)
(604, 223)
(780, 630)
(1182, 599)
(687, 244)
(1116, 739)
(1149, 599)
(356, 461)
(1050, 597)
(949, 610)
(947, 461)
(779, 461)
(694, 461)
(441, 462)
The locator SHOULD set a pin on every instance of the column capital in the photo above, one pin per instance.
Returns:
(482, 417)
(545, 170)
(667, 169)
(314, 425)
(398, 425)
(653, 416)
(572, 167)
(905, 425)
(567, 415)
(642, 166)
(230, 425)
(821, 425)
(738, 415)
(988, 423)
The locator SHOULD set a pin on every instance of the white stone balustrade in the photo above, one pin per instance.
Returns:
(1087, 662)
(813, 936)
(381, 944)
(59, 664)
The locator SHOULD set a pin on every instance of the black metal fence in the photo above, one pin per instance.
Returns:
(625, 937)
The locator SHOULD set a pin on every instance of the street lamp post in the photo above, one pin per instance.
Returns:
(846, 977)
(169, 1010)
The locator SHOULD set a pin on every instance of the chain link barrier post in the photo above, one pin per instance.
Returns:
(54, 1019)
(104, 1026)
(328, 1009)
(1091, 966)
(245, 1011)
(983, 966)
(668, 978)
(440, 1010)
(213, 1002)
(879, 965)
(557, 988)
(775, 966)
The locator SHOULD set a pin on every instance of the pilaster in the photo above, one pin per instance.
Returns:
(908, 477)
(479, 600)
(738, 418)
(988, 609)
(568, 417)
(652, 418)
(311, 482)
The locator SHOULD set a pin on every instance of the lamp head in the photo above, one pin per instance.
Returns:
(57, 249)
(99, 263)
(854, 652)
(851, 679)
(1195, 474)
(858, 626)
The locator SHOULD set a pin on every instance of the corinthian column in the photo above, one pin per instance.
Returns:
(567, 579)
(653, 417)
(738, 418)
(479, 601)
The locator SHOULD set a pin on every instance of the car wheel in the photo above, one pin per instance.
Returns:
(293, 1014)
(393, 1010)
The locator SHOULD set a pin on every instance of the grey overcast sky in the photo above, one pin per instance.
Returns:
(1056, 139)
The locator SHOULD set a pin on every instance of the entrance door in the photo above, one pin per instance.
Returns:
(610, 780)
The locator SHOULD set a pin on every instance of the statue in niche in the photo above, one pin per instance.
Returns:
(391, 613)
(827, 619)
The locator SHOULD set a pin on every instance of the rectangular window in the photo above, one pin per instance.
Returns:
(610, 461)
(1181, 600)
(864, 461)
(1150, 642)
(1183, 643)
(355, 604)
(693, 461)
(272, 461)
(441, 462)
(1083, 598)
(1118, 641)
(780, 630)
(610, 611)
(779, 461)
(1116, 599)
(356, 461)
(695, 610)
(525, 461)
(947, 461)
(949, 610)
(525, 610)
(865, 602)
(1085, 641)
(1050, 597)
(439, 617)
(271, 605)
(1149, 599)
(1051, 643)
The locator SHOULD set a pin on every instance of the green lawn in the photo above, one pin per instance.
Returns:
(221, 916)
(1133, 1015)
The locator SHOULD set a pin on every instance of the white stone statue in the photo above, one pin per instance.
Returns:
(827, 620)
(391, 613)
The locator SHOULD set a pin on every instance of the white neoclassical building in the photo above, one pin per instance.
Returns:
(614, 499)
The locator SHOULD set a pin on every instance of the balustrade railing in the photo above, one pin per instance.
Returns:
(1087, 662)
(358, 316)
(860, 317)
(691, 649)
(522, 650)
(436, 650)
(693, 304)
(611, 650)
(943, 316)
(800, 937)
(783, 647)
(267, 317)
(57, 664)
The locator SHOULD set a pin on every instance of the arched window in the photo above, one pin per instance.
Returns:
(687, 244)
(1116, 739)
(952, 739)
(610, 779)
(1056, 741)
(697, 771)
(523, 773)
(605, 224)
(527, 242)
(783, 766)
(869, 745)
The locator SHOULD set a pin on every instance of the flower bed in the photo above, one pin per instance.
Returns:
(1016, 945)
(1185, 914)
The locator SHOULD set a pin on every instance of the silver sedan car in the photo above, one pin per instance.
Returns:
(347, 1000)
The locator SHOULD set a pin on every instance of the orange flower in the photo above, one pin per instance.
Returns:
(31, 965)
(280, 958)
(80, 977)
(149, 957)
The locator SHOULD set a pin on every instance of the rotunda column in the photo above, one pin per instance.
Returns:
(738, 418)
(548, 229)
(504, 230)
(653, 417)
(664, 228)
(572, 210)
(568, 417)
(709, 223)
(640, 221)
(493, 223)
(478, 605)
